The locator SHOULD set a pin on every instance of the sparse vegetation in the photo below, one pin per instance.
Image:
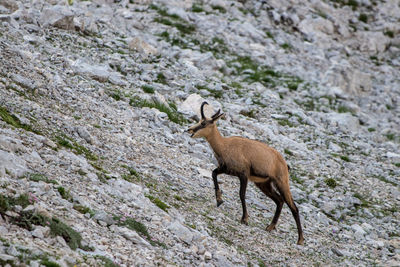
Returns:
(148, 89)
(172, 113)
(330, 182)
(158, 203)
(67, 142)
(83, 209)
(389, 33)
(64, 193)
(197, 8)
(255, 72)
(14, 121)
(37, 177)
(363, 17)
(220, 9)
(173, 20)
(26, 219)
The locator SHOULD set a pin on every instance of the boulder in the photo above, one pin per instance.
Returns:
(57, 16)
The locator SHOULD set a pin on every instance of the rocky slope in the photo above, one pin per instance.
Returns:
(95, 96)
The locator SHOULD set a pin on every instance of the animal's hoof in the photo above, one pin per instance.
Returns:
(300, 242)
(244, 221)
(219, 202)
(270, 227)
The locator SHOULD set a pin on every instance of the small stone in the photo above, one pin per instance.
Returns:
(337, 252)
(207, 255)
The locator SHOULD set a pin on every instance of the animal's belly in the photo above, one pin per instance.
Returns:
(257, 179)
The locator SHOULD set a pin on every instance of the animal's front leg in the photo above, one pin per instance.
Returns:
(218, 192)
(242, 192)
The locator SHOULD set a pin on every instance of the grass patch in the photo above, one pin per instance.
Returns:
(116, 96)
(345, 158)
(161, 78)
(139, 228)
(286, 46)
(220, 9)
(295, 178)
(27, 219)
(172, 113)
(364, 202)
(248, 113)
(330, 182)
(288, 152)
(49, 263)
(197, 8)
(64, 193)
(37, 177)
(371, 129)
(173, 20)
(83, 210)
(12, 120)
(385, 180)
(389, 33)
(68, 142)
(254, 72)
(132, 176)
(214, 93)
(148, 89)
(363, 17)
(158, 203)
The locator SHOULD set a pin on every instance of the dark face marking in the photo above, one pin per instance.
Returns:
(201, 125)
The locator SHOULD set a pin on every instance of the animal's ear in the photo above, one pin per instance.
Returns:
(217, 117)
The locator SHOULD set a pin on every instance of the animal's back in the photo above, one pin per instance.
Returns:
(262, 159)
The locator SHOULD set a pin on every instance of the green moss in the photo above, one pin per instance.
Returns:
(371, 129)
(330, 182)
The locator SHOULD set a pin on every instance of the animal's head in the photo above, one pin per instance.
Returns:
(205, 126)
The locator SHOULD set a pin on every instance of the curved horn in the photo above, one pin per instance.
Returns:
(201, 109)
(216, 114)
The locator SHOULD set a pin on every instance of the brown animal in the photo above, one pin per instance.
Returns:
(249, 160)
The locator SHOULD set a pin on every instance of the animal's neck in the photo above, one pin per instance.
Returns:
(216, 141)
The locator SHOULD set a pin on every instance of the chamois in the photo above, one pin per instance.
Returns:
(248, 160)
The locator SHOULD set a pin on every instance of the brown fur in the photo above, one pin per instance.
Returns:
(249, 160)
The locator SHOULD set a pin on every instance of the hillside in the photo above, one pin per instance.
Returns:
(96, 167)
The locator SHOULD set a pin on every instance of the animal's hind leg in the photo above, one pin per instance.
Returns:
(267, 189)
(285, 192)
